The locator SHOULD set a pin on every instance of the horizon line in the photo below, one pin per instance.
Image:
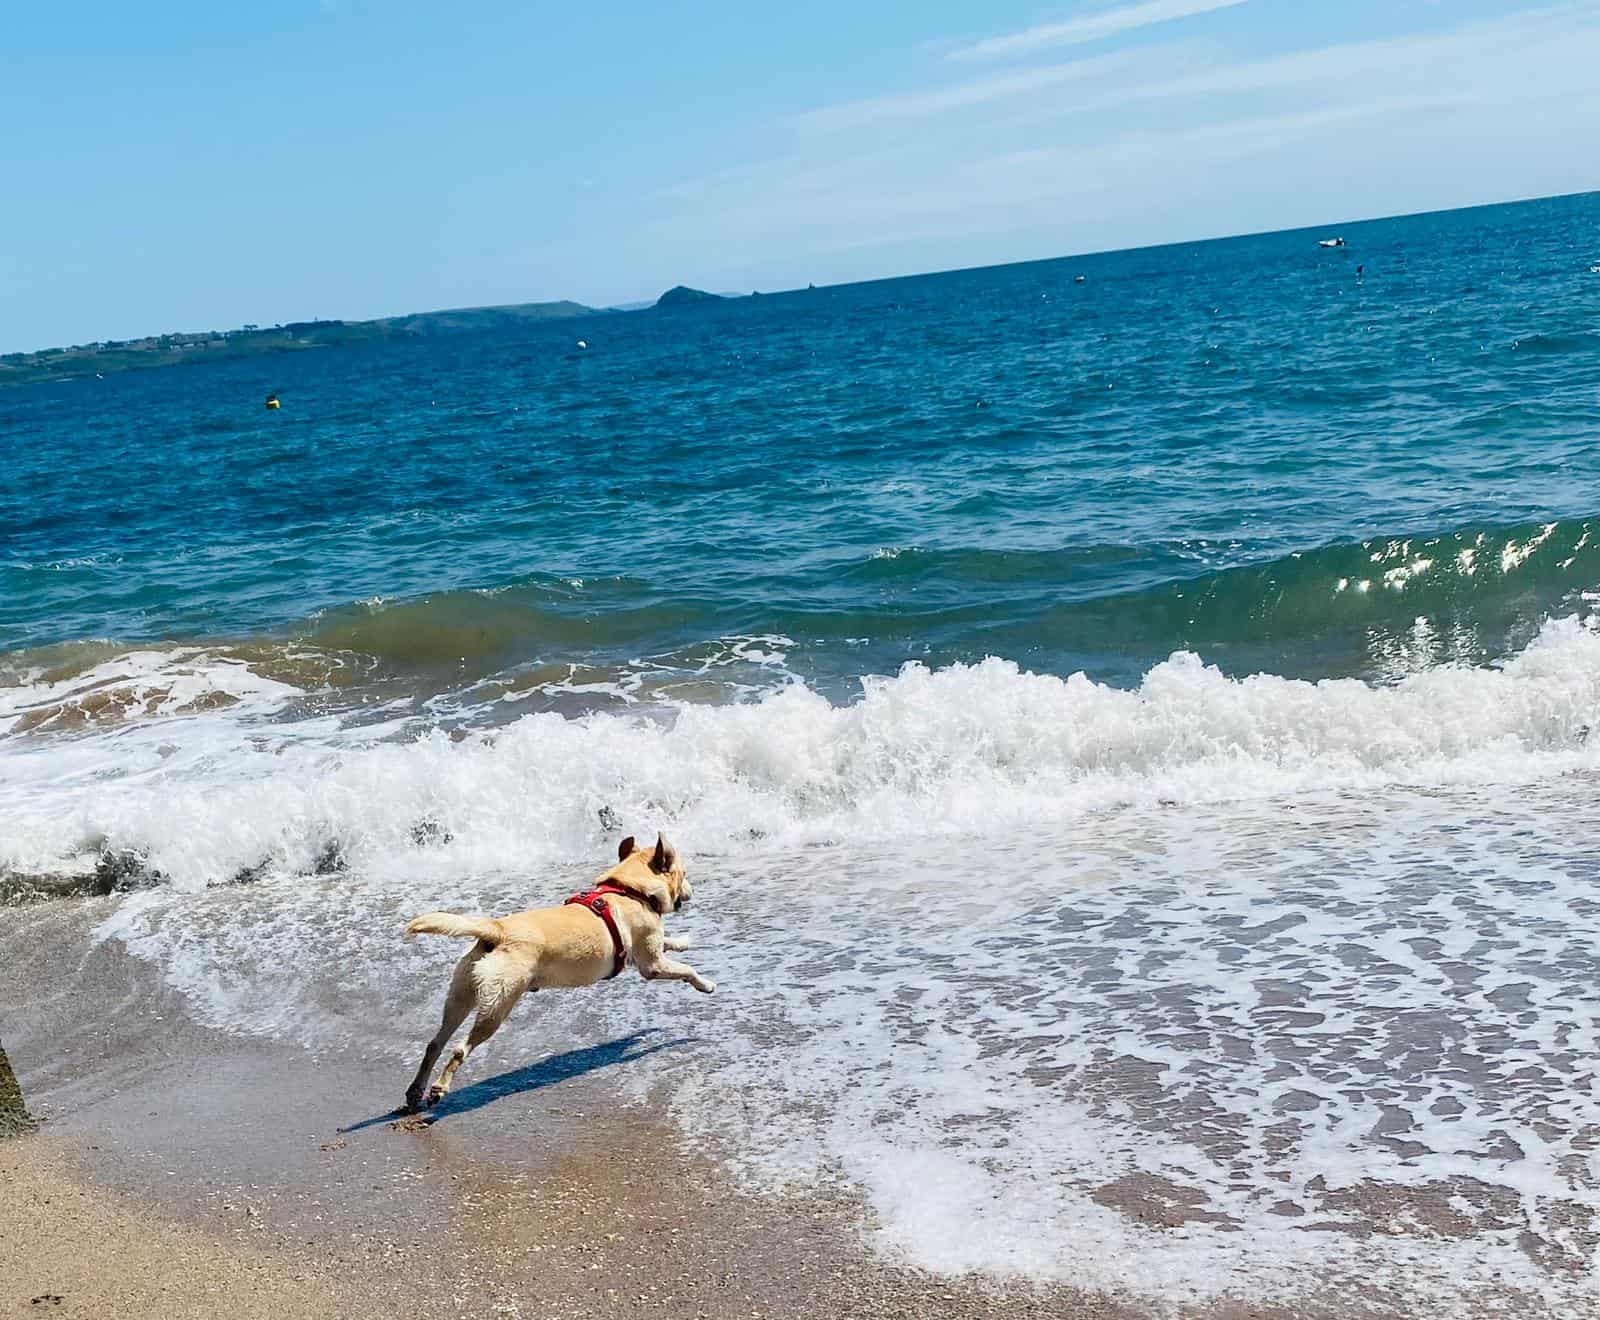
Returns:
(617, 308)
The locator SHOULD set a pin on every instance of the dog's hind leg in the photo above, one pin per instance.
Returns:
(483, 1026)
(498, 982)
(458, 1003)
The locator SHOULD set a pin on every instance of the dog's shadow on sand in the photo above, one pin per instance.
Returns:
(547, 1072)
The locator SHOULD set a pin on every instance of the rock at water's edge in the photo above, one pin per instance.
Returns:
(14, 1116)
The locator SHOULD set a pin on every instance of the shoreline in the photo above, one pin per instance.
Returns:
(279, 1180)
(530, 1183)
(528, 1193)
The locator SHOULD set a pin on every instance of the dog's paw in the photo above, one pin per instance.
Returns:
(706, 987)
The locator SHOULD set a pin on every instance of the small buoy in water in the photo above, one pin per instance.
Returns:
(272, 401)
(1078, 279)
(583, 343)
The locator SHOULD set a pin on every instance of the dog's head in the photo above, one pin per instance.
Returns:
(655, 874)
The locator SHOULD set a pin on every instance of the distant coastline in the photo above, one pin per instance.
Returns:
(249, 341)
(256, 341)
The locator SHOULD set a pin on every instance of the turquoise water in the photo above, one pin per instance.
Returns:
(1131, 739)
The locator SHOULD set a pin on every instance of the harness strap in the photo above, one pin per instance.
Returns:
(594, 900)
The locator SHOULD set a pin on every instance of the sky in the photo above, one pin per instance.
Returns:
(175, 165)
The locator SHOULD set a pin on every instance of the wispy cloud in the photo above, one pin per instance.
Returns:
(1194, 71)
(1086, 28)
(961, 96)
(899, 193)
(1051, 171)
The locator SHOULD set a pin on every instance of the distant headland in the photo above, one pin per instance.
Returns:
(96, 359)
(680, 295)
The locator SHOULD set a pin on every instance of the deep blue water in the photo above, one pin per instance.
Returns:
(1186, 450)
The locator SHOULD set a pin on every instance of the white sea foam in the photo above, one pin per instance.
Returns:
(1349, 1034)
(1271, 1030)
(1268, 962)
(961, 749)
(137, 685)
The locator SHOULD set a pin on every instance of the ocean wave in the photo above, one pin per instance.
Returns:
(1384, 606)
(1558, 343)
(966, 748)
(98, 684)
(1380, 608)
(483, 630)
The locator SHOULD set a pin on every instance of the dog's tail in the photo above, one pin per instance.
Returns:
(462, 928)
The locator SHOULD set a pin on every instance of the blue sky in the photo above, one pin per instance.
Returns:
(182, 166)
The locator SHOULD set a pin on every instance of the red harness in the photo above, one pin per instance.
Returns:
(593, 900)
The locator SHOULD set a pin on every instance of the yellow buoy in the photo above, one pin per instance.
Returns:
(272, 401)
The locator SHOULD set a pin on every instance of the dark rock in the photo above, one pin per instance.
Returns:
(18, 888)
(245, 875)
(14, 1116)
(429, 833)
(331, 860)
(122, 870)
(115, 871)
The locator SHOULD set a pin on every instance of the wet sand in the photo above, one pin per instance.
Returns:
(281, 1185)
(179, 1171)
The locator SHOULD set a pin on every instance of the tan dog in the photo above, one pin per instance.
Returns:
(571, 945)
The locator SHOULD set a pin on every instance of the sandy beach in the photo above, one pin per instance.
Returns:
(179, 1171)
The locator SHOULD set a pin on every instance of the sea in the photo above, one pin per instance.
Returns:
(1128, 719)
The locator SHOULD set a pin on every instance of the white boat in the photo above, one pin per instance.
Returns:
(1330, 242)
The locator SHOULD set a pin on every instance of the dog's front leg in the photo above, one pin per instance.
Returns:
(668, 970)
(653, 966)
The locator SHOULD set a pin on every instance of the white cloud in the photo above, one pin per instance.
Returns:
(884, 193)
(1088, 27)
(959, 96)
(1194, 71)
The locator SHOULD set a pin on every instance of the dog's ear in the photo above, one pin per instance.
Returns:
(665, 856)
(625, 849)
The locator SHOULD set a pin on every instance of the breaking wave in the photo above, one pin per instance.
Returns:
(247, 791)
